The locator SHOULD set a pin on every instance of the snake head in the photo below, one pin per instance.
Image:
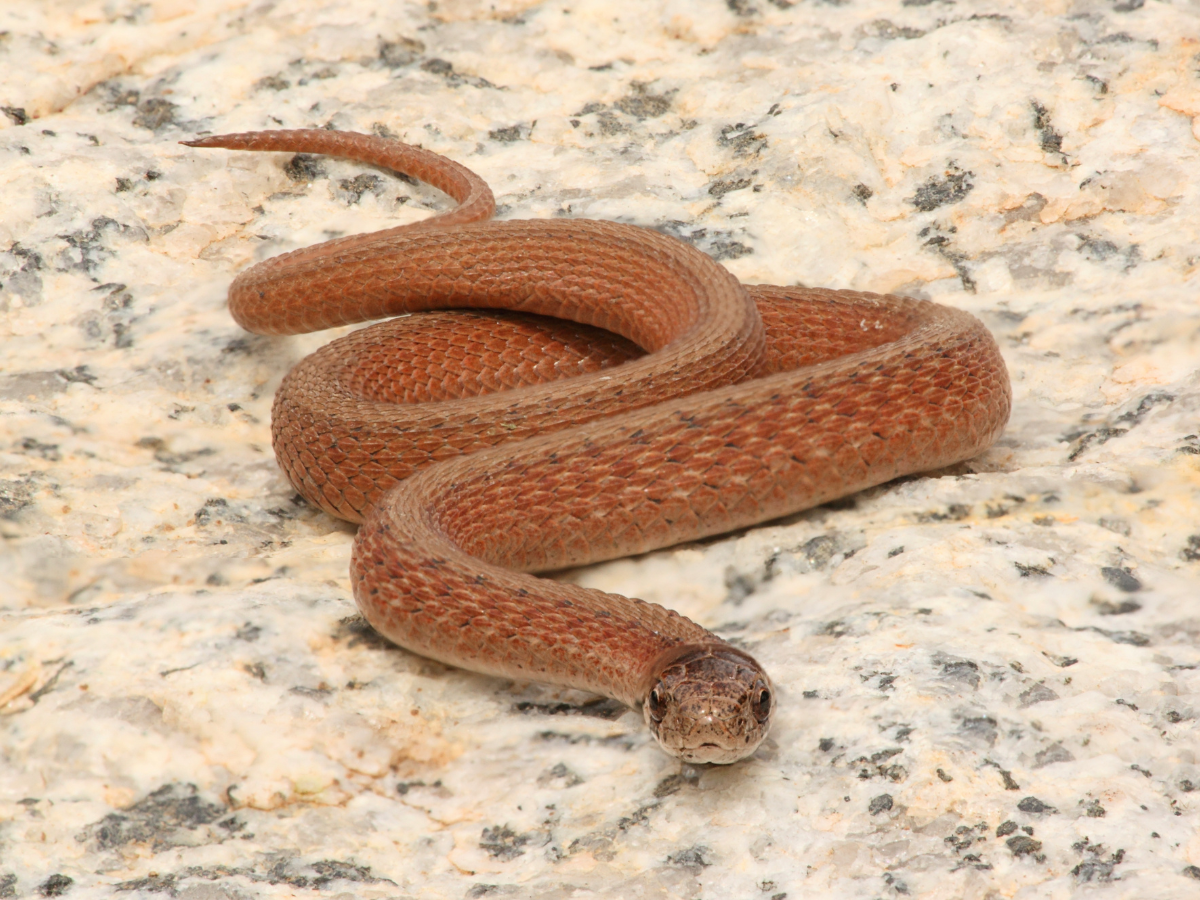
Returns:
(709, 704)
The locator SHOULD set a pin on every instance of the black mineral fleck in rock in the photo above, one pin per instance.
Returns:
(56, 885)
(1023, 846)
(1035, 806)
(879, 804)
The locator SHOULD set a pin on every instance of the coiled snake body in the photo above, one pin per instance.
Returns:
(748, 403)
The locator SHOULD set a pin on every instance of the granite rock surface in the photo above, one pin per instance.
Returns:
(989, 676)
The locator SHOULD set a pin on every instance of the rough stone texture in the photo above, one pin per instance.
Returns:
(988, 677)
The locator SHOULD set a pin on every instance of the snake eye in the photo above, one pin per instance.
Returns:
(761, 704)
(655, 705)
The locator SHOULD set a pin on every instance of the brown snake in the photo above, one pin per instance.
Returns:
(722, 423)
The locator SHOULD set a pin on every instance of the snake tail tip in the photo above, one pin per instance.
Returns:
(208, 140)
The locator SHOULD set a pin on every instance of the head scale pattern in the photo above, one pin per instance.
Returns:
(709, 704)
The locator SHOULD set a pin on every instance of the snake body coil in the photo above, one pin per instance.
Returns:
(743, 403)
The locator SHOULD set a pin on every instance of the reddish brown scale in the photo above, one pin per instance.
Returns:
(559, 445)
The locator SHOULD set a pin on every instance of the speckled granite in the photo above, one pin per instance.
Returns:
(988, 676)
